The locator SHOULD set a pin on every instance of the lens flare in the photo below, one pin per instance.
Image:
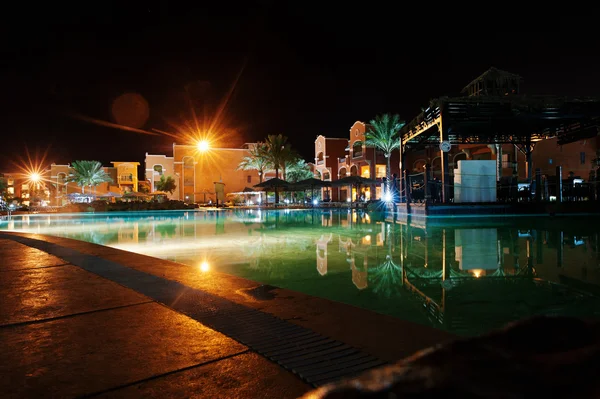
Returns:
(204, 267)
(203, 145)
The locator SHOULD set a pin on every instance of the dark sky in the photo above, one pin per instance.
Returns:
(305, 68)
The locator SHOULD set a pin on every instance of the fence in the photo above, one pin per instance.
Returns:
(417, 188)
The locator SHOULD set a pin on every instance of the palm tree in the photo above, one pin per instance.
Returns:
(88, 173)
(279, 152)
(257, 160)
(297, 169)
(384, 134)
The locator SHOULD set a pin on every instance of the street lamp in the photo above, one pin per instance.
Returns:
(35, 177)
(203, 145)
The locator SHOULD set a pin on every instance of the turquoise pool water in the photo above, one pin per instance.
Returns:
(466, 276)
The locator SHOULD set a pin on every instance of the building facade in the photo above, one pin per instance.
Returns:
(196, 172)
(354, 159)
(330, 153)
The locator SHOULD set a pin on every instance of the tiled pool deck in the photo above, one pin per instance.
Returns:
(80, 320)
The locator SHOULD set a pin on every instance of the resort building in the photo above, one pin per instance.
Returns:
(330, 154)
(126, 174)
(494, 121)
(123, 175)
(158, 166)
(196, 172)
(337, 158)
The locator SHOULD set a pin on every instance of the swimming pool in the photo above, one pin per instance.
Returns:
(464, 276)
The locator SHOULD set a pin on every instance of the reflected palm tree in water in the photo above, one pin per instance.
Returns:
(387, 278)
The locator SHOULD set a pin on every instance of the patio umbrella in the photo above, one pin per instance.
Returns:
(311, 183)
(273, 184)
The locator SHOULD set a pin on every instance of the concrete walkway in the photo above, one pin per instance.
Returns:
(68, 332)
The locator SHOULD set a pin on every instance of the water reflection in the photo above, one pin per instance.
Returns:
(466, 278)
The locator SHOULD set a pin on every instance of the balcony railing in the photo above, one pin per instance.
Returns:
(320, 162)
(357, 154)
(342, 160)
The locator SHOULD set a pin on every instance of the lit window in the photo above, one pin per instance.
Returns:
(379, 171)
(11, 190)
(550, 161)
(365, 172)
(10, 182)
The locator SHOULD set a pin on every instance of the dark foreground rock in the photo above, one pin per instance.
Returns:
(541, 357)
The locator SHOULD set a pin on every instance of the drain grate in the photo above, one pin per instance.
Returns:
(315, 358)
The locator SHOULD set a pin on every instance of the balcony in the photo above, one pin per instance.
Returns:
(357, 154)
(342, 160)
(321, 162)
(125, 179)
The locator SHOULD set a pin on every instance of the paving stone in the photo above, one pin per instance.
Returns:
(16, 256)
(98, 351)
(36, 294)
(244, 376)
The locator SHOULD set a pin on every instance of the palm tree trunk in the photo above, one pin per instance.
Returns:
(276, 192)
(388, 173)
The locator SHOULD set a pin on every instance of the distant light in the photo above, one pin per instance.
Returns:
(259, 200)
(387, 196)
(287, 201)
(315, 202)
(203, 145)
(204, 266)
(477, 273)
(35, 177)
(348, 199)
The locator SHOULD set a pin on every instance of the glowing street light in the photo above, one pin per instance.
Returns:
(35, 177)
(203, 145)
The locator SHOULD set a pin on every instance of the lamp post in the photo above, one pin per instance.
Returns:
(203, 146)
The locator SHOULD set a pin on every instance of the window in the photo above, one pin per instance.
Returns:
(11, 190)
(550, 161)
(158, 169)
(380, 171)
(582, 158)
(10, 181)
(365, 172)
(249, 180)
(326, 176)
(357, 149)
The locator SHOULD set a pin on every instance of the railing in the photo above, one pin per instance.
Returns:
(320, 162)
(342, 160)
(126, 178)
(357, 154)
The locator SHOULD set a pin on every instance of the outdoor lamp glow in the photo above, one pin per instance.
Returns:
(387, 197)
(35, 177)
(315, 202)
(203, 145)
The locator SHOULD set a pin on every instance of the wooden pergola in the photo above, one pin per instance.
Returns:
(499, 119)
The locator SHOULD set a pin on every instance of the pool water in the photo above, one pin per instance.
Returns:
(463, 275)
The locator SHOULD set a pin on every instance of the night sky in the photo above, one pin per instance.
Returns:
(304, 69)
